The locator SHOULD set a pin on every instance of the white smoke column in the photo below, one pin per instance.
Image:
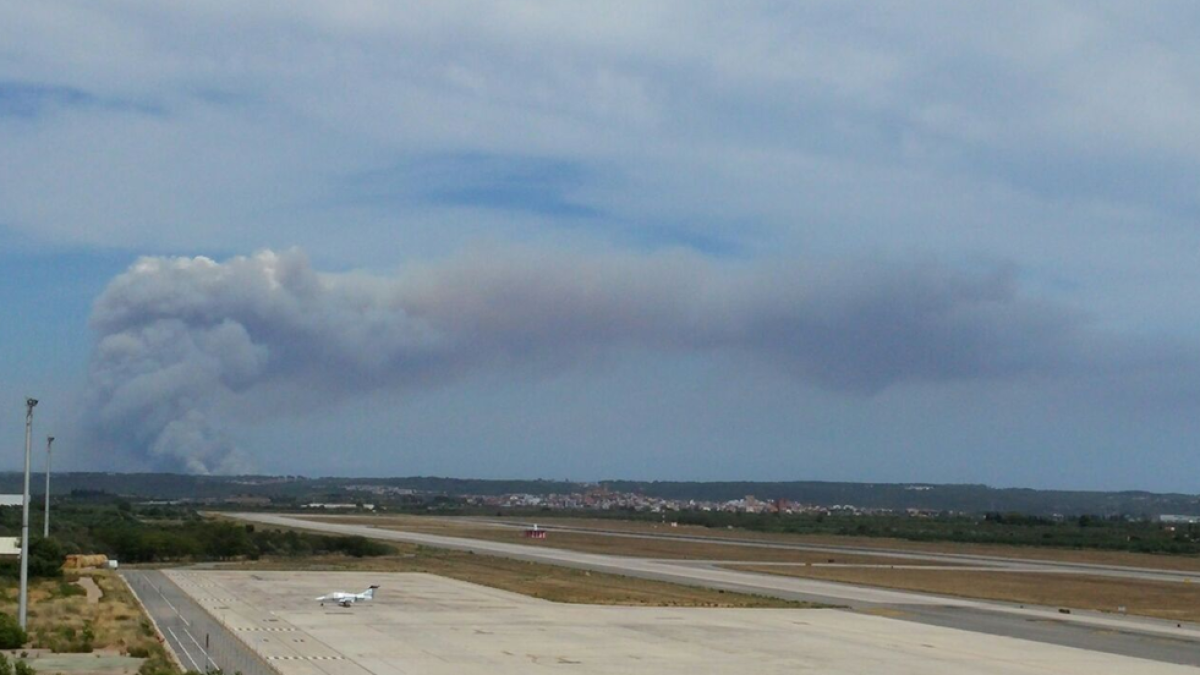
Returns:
(182, 339)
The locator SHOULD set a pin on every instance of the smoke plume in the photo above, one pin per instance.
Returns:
(182, 340)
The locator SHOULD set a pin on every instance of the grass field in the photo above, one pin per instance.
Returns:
(549, 582)
(627, 546)
(1168, 600)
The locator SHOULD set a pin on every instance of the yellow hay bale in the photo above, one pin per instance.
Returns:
(78, 561)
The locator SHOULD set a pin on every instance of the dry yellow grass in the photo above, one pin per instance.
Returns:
(1123, 558)
(626, 546)
(1168, 600)
(549, 582)
(58, 621)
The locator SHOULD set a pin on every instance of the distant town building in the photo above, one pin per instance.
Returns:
(600, 499)
(1186, 520)
(382, 490)
(338, 506)
(248, 500)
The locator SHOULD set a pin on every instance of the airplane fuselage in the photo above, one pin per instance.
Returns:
(347, 599)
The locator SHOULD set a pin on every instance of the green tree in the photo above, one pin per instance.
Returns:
(12, 636)
(225, 540)
(45, 558)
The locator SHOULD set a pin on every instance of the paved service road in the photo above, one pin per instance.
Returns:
(199, 639)
(1131, 636)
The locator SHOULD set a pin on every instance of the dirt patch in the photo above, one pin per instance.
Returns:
(93, 591)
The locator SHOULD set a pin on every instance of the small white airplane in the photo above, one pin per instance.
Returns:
(347, 599)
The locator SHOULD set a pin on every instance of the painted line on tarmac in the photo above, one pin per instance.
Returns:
(183, 648)
(173, 608)
(207, 658)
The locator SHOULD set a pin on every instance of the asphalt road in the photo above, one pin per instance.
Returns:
(199, 639)
(1131, 636)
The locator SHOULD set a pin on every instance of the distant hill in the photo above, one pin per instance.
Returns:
(964, 498)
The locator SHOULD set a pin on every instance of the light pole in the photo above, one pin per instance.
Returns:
(46, 522)
(30, 403)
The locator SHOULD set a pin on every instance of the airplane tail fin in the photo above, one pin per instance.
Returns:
(369, 594)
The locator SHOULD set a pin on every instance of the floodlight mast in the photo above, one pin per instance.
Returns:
(30, 404)
(46, 520)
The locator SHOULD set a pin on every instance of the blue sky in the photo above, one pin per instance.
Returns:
(648, 240)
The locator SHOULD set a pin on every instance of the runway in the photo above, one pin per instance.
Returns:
(421, 623)
(960, 561)
(1114, 634)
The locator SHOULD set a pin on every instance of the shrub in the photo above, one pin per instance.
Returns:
(71, 641)
(66, 589)
(12, 636)
(157, 665)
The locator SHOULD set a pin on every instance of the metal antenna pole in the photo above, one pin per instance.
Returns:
(46, 521)
(24, 600)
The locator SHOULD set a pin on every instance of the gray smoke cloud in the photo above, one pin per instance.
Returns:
(181, 340)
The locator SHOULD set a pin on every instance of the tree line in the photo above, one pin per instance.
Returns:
(1008, 528)
(165, 535)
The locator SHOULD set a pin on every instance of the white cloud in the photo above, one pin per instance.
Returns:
(264, 110)
(1059, 138)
